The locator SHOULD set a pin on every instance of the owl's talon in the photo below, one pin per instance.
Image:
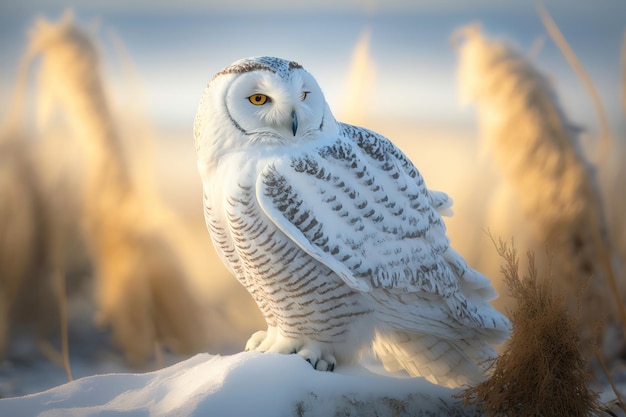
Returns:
(322, 365)
(318, 361)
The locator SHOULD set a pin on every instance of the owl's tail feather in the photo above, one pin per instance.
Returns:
(448, 362)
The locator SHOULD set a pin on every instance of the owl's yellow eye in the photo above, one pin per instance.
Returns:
(258, 99)
(303, 95)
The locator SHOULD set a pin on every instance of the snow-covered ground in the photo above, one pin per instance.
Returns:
(244, 384)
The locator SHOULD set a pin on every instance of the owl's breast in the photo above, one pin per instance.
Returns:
(226, 188)
(296, 293)
(238, 227)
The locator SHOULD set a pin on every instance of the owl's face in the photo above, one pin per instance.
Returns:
(268, 106)
(261, 100)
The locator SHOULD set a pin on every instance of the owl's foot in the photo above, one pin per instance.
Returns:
(317, 359)
(272, 341)
(255, 340)
(262, 340)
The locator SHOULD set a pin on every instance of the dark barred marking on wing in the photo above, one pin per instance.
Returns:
(277, 272)
(390, 233)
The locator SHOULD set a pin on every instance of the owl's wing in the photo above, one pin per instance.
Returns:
(361, 207)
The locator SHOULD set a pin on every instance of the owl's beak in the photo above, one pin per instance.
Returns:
(294, 122)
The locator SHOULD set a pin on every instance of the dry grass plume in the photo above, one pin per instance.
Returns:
(142, 283)
(360, 79)
(623, 73)
(25, 291)
(558, 38)
(538, 153)
(541, 371)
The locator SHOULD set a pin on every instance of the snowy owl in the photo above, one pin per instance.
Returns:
(332, 230)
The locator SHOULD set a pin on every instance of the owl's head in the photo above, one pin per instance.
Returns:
(260, 100)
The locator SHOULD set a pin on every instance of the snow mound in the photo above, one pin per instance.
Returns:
(245, 384)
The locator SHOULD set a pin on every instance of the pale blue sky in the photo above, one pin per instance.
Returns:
(177, 46)
(421, 6)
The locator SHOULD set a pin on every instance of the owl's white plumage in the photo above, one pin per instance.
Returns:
(332, 230)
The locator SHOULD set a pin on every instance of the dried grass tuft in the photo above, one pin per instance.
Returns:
(361, 77)
(585, 79)
(538, 153)
(541, 372)
(143, 286)
(623, 72)
(24, 289)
